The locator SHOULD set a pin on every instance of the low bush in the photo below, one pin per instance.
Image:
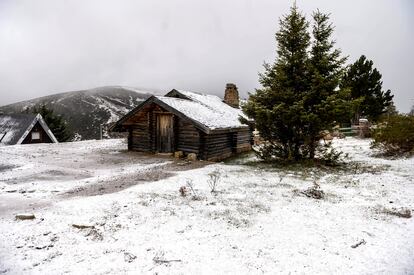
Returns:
(395, 136)
(329, 156)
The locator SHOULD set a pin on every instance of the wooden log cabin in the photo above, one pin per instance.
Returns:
(24, 129)
(188, 122)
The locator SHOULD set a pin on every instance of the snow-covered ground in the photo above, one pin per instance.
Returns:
(258, 221)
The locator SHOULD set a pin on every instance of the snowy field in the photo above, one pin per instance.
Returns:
(259, 221)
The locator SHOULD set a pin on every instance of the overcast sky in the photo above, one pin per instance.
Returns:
(51, 46)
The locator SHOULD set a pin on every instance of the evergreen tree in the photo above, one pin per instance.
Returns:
(391, 110)
(324, 103)
(56, 123)
(277, 108)
(299, 97)
(365, 84)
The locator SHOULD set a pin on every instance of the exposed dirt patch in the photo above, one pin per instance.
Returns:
(119, 183)
(5, 167)
(33, 177)
(51, 175)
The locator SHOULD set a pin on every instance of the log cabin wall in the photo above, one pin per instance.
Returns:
(243, 139)
(217, 146)
(188, 137)
(130, 138)
(139, 138)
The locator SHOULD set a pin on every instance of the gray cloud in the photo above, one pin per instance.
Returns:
(49, 46)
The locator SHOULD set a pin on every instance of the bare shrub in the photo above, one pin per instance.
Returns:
(94, 234)
(183, 191)
(231, 217)
(238, 222)
(213, 180)
(144, 203)
(314, 192)
(159, 258)
(281, 177)
(190, 186)
(258, 207)
(129, 257)
(197, 198)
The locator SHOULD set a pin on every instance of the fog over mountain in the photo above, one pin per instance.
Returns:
(50, 46)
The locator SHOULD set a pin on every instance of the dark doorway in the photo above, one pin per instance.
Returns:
(165, 133)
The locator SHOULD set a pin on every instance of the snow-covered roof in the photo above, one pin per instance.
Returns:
(209, 110)
(14, 128)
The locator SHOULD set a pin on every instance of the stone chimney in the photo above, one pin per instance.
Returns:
(231, 95)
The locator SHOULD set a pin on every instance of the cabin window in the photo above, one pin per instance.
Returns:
(35, 135)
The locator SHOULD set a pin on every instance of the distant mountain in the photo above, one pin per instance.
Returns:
(86, 110)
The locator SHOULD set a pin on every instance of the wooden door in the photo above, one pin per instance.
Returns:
(165, 133)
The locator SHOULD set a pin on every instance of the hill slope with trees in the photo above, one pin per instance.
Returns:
(85, 110)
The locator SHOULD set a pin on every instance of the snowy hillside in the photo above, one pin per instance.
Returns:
(102, 210)
(87, 109)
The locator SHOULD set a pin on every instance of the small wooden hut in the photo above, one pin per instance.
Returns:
(24, 129)
(188, 122)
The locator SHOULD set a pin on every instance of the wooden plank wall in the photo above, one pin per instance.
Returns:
(143, 129)
(217, 146)
(141, 138)
(243, 140)
(188, 137)
(152, 131)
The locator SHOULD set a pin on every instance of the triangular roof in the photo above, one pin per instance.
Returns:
(14, 128)
(207, 112)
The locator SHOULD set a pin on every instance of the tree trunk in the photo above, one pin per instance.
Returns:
(312, 149)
